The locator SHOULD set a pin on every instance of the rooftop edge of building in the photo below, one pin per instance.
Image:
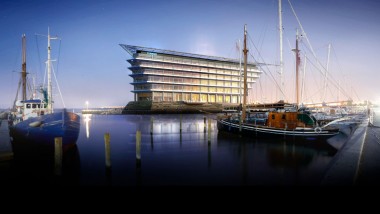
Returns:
(131, 49)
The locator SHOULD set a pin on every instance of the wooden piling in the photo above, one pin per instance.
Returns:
(204, 124)
(240, 124)
(151, 141)
(209, 155)
(58, 155)
(209, 130)
(107, 139)
(138, 148)
(180, 124)
(151, 125)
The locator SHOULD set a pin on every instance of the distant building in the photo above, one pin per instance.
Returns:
(164, 75)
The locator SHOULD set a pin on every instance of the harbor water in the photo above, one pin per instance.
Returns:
(179, 152)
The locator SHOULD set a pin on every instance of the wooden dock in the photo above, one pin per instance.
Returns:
(6, 152)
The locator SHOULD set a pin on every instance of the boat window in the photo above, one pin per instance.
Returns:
(283, 116)
(38, 105)
(28, 105)
(273, 117)
(34, 105)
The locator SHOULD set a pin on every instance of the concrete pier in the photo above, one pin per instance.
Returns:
(5, 142)
(368, 172)
(358, 161)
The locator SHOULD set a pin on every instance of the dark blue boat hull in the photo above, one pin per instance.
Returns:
(59, 124)
(267, 132)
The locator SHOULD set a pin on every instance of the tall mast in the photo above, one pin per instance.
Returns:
(50, 88)
(239, 71)
(298, 60)
(23, 74)
(245, 51)
(303, 80)
(281, 51)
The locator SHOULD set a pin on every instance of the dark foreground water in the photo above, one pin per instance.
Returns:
(169, 157)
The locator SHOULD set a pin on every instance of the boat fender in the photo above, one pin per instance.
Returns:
(36, 124)
(318, 129)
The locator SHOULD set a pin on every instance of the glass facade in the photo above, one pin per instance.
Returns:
(163, 75)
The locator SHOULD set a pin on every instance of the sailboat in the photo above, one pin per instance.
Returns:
(281, 121)
(34, 121)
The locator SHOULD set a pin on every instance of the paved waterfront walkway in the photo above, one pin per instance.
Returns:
(369, 163)
(5, 143)
(358, 162)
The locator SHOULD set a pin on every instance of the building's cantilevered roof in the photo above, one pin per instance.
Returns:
(133, 49)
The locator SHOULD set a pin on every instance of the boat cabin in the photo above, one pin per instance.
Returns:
(289, 120)
(33, 108)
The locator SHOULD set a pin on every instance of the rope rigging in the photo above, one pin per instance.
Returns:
(320, 67)
(266, 65)
(55, 74)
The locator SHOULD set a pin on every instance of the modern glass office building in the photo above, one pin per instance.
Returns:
(164, 75)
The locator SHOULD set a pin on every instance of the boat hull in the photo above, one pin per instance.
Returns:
(43, 129)
(269, 132)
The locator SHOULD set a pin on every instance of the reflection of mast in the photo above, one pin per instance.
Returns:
(245, 73)
(23, 74)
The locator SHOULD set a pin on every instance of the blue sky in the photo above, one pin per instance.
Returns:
(92, 65)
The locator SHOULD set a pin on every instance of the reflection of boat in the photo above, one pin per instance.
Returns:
(36, 167)
(274, 161)
(290, 156)
(281, 122)
(317, 146)
(35, 121)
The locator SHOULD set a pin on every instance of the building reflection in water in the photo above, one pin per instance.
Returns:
(172, 157)
(166, 128)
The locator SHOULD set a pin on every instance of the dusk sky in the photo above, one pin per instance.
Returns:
(92, 66)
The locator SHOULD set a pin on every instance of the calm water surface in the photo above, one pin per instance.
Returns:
(169, 157)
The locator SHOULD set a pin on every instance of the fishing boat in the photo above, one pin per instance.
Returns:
(34, 121)
(280, 121)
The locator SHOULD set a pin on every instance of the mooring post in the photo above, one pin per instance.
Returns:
(151, 125)
(58, 155)
(240, 124)
(138, 148)
(204, 124)
(107, 139)
(180, 124)
(209, 130)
